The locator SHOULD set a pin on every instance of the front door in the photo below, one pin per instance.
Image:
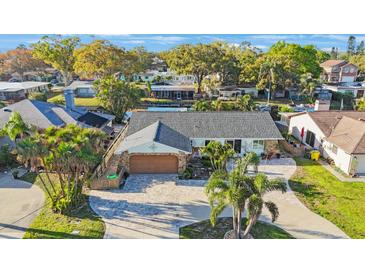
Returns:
(360, 93)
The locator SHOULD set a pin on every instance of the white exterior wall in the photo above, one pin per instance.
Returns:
(361, 163)
(246, 144)
(341, 158)
(304, 120)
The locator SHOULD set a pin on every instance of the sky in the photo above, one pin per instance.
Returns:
(160, 42)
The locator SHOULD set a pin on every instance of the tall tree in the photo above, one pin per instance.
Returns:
(237, 189)
(118, 96)
(136, 60)
(334, 53)
(59, 53)
(351, 45)
(20, 60)
(98, 59)
(198, 60)
(308, 84)
(360, 48)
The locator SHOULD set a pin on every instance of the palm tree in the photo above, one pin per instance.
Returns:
(237, 189)
(308, 84)
(217, 105)
(15, 127)
(28, 149)
(201, 106)
(260, 185)
(218, 154)
(245, 103)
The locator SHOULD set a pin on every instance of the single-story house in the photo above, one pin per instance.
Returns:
(43, 114)
(82, 89)
(356, 88)
(163, 142)
(15, 91)
(178, 92)
(339, 135)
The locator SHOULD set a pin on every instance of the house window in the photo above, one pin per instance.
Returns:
(258, 144)
(310, 137)
(334, 149)
(235, 144)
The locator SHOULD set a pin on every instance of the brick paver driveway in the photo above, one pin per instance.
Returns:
(155, 206)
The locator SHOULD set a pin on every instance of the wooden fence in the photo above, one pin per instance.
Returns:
(100, 169)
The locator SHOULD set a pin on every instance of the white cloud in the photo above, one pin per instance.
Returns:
(135, 41)
(269, 37)
(261, 47)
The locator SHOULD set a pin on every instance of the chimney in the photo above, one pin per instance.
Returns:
(321, 104)
(69, 98)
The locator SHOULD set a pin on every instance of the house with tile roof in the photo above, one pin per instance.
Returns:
(338, 71)
(339, 135)
(163, 142)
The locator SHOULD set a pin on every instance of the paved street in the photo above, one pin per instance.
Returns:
(20, 203)
(155, 206)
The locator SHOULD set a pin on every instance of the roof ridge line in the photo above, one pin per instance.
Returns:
(358, 143)
(157, 130)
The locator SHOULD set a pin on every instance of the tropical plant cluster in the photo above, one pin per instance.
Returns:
(70, 152)
(238, 189)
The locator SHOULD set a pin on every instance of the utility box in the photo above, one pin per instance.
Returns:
(315, 155)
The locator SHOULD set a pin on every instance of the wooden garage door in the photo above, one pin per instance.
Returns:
(153, 164)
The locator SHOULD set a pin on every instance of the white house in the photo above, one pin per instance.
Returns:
(163, 142)
(339, 135)
(20, 90)
(82, 88)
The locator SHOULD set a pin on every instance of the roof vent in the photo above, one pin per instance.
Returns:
(7, 110)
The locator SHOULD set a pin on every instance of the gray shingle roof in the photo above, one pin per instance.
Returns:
(170, 137)
(230, 124)
(43, 114)
(157, 132)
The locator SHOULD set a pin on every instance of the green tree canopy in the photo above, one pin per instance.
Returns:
(98, 59)
(199, 60)
(118, 96)
(59, 53)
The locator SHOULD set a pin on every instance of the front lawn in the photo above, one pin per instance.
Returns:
(342, 203)
(80, 223)
(82, 102)
(204, 230)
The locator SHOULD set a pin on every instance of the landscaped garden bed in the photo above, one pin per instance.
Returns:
(342, 203)
(204, 230)
(79, 223)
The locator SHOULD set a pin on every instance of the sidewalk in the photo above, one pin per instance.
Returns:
(339, 175)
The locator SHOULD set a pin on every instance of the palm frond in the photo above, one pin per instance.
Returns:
(273, 209)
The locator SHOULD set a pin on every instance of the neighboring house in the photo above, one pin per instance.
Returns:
(337, 71)
(355, 88)
(339, 135)
(82, 89)
(179, 92)
(43, 115)
(163, 142)
(10, 91)
(168, 76)
(232, 91)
